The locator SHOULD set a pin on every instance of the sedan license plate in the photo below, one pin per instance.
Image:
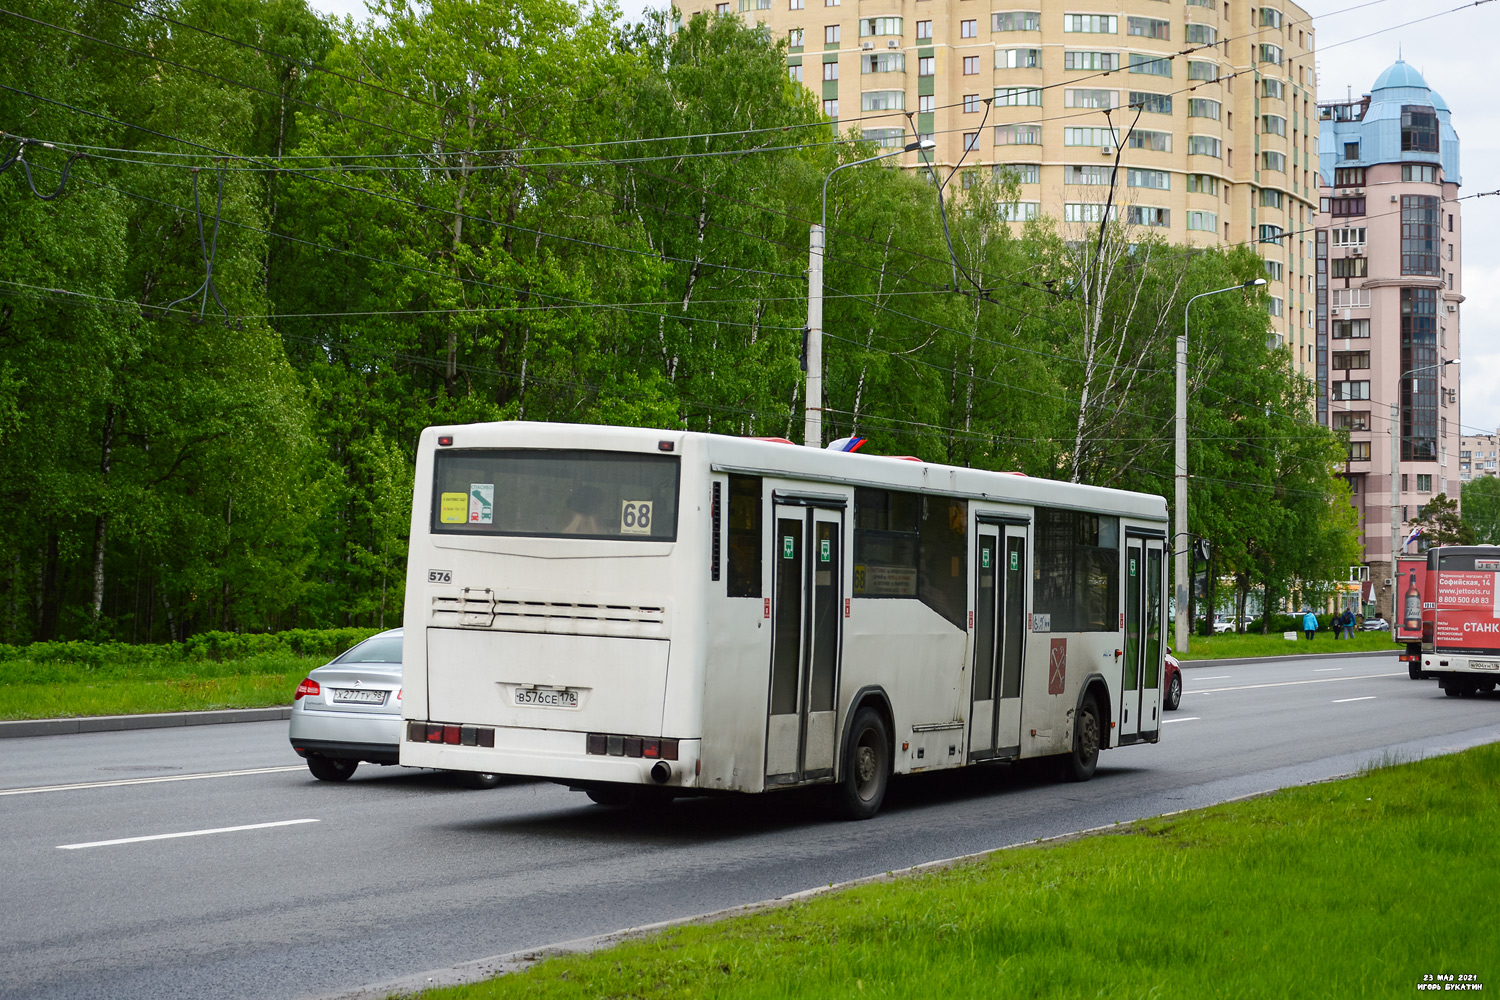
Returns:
(358, 696)
(546, 698)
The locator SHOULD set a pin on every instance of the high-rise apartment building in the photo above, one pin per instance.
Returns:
(1211, 100)
(1477, 457)
(1389, 286)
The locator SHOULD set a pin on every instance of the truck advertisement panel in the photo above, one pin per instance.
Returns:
(1414, 598)
(1468, 603)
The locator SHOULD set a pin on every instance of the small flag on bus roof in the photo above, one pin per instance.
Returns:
(846, 444)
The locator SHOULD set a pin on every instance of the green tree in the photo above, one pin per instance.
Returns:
(1480, 503)
(1441, 523)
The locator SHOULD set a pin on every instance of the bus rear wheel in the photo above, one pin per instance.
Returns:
(330, 769)
(867, 767)
(1080, 764)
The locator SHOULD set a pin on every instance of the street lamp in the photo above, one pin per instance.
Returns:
(1180, 537)
(812, 429)
(1396, 479)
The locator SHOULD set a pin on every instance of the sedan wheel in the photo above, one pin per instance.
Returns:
(1174, 693)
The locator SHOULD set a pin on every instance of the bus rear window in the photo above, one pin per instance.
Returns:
(572, 493)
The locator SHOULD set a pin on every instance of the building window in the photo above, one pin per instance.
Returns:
(795, 4)
(1157, 104)
(1349, 390)
(722, 8)
(1203, 145)
(831, 108)
(1359, 451)
(1090, 174)
(1275, 305)
(831, 34)
(1089, 137)
(1350, 267)
(1203, 222)
(1020, 211)
(1269, 53)
(1422, 173)
(971, 65)
(1200, 34)
(883, 62)
(794, 38)
(1106, 62)
(927, 103)
(882, 100)
(1203, 107)
(1097, 24)
(1273, 161)
(971, 140)
(1199, 69)
(1351, 329)
(1343, 207)
(1273, 124)
(1018, 58)
(1419, 234)
(795, 72)
(1418, 129)
(1271, 88)
(1270, 17)
(1014, 97)
(1270, 198)
(1351, 359)
(1160, 180)
(879, 26)
(1087, 211)
(886, 138)
(1424, 482)
(1019, 173)
(1145, 215)
(968, 29)
(1152, 65)
(1018, 135)
(927, 66)
(971, 103)
(1352, 420)
(1160, 142)
(1091, 98)
(924, 30)
(1150, 27)
(1017, 20)
(830, 71)
(1419, 394)
(1273, 269)
(1349, 177)
(1271, 234)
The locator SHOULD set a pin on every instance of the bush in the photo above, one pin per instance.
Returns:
(206, 646)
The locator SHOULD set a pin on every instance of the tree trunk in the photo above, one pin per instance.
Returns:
(101, 522)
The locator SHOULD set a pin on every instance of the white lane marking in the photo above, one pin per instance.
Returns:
(1316, 680)
(1215, 677)
(1345, 701)
(147, 781)
(1190, 718)
(1324, 670)
(190, 833)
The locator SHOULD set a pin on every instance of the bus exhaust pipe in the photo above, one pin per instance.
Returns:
(661, 772)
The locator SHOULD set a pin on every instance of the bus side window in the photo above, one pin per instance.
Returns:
(744, 540)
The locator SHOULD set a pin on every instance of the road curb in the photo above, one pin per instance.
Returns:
(155, 720)
(1189, 664)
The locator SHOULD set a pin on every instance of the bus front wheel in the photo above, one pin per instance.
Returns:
(867, 767)
(1084, 759)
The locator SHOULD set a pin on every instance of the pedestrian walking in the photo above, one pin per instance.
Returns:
(1348, 623)
(1309, 624)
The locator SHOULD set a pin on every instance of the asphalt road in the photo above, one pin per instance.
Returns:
(399, 871)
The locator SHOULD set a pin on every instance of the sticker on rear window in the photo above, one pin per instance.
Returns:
(454, 508)
(482, 503)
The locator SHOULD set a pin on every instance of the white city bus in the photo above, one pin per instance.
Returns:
(643, 613)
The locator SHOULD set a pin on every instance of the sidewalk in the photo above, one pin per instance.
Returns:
(157, 720)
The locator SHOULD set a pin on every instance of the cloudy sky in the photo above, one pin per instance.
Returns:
(1451, 46)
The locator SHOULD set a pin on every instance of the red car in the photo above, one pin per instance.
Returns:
(1172, 691)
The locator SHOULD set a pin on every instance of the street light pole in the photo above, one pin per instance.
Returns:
(1396, 545)
(812, 426)
(1179, 468)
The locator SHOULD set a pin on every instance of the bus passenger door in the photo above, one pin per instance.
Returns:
(807, 625)
(1000, 567)
(1140, 685)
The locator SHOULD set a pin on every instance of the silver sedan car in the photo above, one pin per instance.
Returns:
(349, 710)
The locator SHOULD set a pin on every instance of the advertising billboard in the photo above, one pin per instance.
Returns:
(1413, 598)
(1467, 615)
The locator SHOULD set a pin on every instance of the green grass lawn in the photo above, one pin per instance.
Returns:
(1230, 644)
(1355, 888)
(46, 689)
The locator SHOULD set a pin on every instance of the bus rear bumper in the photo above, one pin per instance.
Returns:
(554, 755)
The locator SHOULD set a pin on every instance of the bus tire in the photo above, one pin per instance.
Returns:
(329, 769)
(1414, 670)
(867, 767)
(616, 796)
(1086, 735)
(479, 779)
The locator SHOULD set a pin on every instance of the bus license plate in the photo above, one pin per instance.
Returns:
(358, 696)
(1484, 664)
(546, 698)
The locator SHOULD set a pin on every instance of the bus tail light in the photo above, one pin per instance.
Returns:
(649, 747)
(307, 687)
(437, 732)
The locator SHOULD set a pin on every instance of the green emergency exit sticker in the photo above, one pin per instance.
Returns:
(788, 547)
(1015, 561)
(825, 551)
(984, 558)
(1132, 567)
